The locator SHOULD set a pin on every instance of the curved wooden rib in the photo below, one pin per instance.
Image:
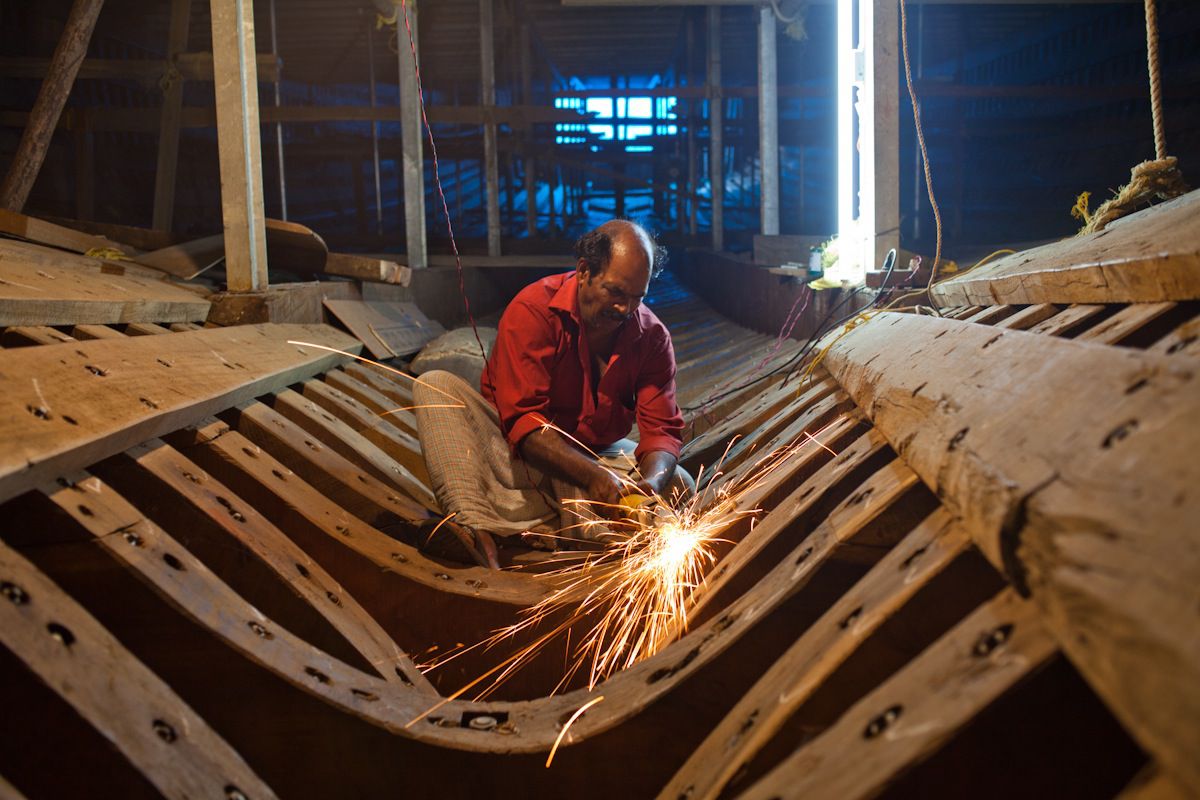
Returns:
(73, 654)
(1072, 465)
(532, 725)
(913, 713)
(759, 715)
(289, 500)
(190, 484)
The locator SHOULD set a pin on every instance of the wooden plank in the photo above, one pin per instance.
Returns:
(239, 145)
(386, 329)
(141, 715)
(27, 335)
(1026, 318)
(8, 791)
(42, 287)
(1152, 784)
(186, 260)
(166, 469)
(912, 714)
(1068, 321)
(882, 489)
(376, 401)
(1072, 465)
(817, 654)
(327, 528)
(401, 446)
(1183, 341)
(1152, 256)
(52, 96)
(352, 445)
(126, 237)
(367, 498)
(1125, 323)
(199, 594)
(367, 268)
(991, 315)
(48, 233)
(65, 406)
(145, 329)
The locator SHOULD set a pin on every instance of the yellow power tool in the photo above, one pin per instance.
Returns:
(640, 508)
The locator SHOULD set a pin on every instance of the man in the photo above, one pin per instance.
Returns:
(577, 360)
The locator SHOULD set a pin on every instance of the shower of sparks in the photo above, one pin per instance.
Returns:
(629, 599)
(386, 368)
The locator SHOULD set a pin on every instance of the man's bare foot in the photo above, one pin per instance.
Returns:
(447, 539)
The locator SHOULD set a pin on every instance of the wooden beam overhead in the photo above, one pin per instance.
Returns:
(411, 133)
(43, 119)
(189, 66)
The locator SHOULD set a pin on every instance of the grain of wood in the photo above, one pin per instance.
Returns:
(46, 287)
(118, 695)
(1072, 466)
(1152, 256)
(912, 714)
(65, 406)
(816, 655)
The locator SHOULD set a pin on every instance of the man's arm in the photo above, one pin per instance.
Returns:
(547, 450)
(657, 468)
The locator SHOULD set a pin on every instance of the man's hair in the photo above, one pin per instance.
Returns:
(594, 248)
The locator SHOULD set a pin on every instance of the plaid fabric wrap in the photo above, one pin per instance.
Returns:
(472, 471)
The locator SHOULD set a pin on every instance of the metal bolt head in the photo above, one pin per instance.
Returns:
(482, 723)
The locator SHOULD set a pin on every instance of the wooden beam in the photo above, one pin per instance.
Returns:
(134, 709)
(1150, 256)
(39, 286)
(1072, 466)
(190, 66)
(168, 128)
(911, 715)
(239, 145)
(716, 129)
(63, 407)
(413, 163)
(884, 135)
(768, 122)
(487, 77)
(43, 119)
(367, 268)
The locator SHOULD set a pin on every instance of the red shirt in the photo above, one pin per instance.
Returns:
(539, 372)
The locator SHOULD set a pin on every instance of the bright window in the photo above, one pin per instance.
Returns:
(640, 107)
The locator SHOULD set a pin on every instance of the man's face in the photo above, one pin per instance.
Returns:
(611, 296)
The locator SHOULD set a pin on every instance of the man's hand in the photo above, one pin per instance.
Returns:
(657, 469)
(606, 490)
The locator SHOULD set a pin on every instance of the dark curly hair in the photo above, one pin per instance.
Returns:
(594, 248)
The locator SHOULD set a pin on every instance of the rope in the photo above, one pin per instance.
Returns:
(107, 253)
(851, 325)
(937, 214)
(779, 15)
(1160, 138)
(1158, 179)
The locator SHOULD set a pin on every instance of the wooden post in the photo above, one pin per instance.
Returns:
(487, 67)
(768, 122)
(885, 77)
(529, 162)
(43, 119)
(716, 125)
(169, 118)
(410, 135)
(374, 132)
(235, 73)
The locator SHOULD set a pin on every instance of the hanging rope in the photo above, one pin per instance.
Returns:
(937, 214)
(1158, 179)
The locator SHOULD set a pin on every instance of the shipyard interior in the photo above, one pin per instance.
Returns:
(599, 398)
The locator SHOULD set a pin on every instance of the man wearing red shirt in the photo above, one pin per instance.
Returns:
(577, 360)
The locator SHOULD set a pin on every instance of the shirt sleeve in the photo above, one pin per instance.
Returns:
(659, 420)
(519, 371)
